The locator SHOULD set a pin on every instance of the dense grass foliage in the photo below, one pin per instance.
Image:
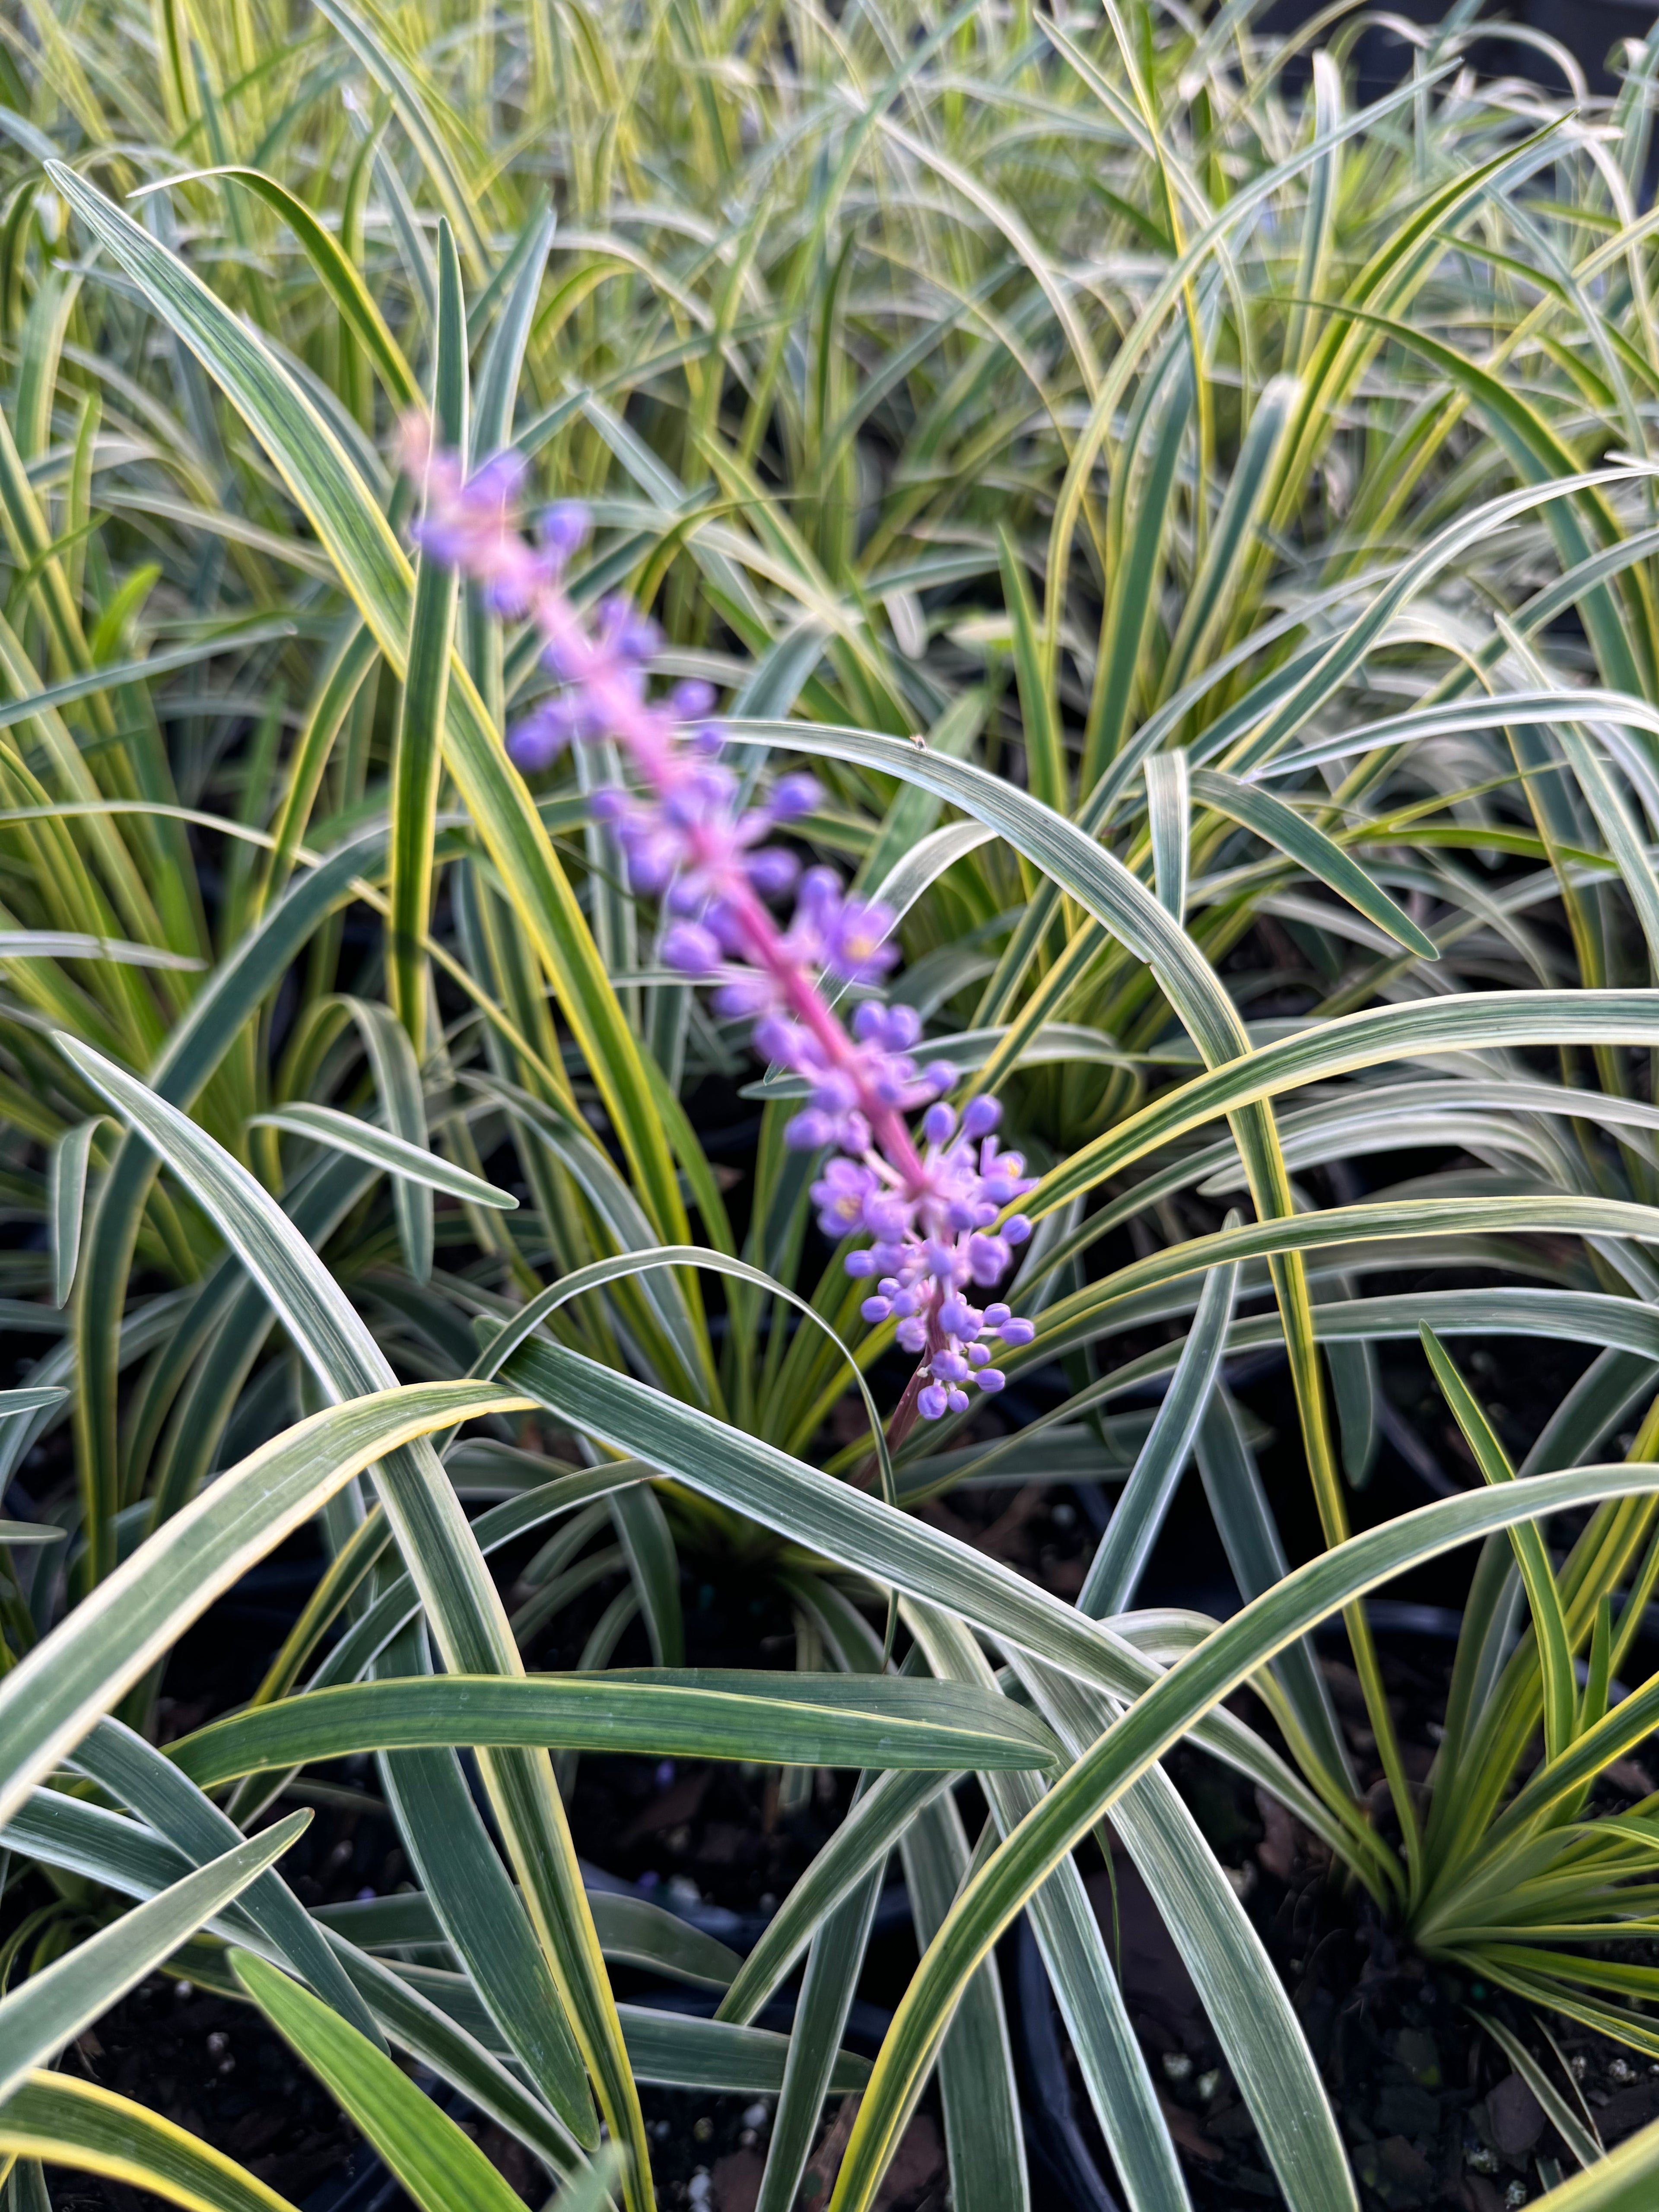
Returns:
(1204, 536)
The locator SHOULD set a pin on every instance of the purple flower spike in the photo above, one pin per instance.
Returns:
(931, 1201)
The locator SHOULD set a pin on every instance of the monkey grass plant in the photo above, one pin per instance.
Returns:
(1201, 536)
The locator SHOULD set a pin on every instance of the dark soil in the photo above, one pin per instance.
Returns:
(213, 2067)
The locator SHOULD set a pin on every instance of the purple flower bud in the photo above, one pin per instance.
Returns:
(691, 948)
(956, 1317)
(744, 996)
(913, 1333)
(868, 1021)
(651, 858)
(771, 871)
(938, 1122)
(991, 1378)
(809, 1131)
(795, 795)
(564, 525)
(994, 1316)
(875, 1309)
(441, 541)
(980, 1117)
(957, 1400)
(778, 1039)
(932, 1403)
(537, 742)
(496, 482)
(509, 594)
(858, 1264)
(988, 1257)
(818, 898)
(836, 1092)
(1016, 1229)
(1015, 1331)
(978, 1354)
(950, 1367)
(938, 1075)
(888, 1217)
(631, 635)
(690, 701)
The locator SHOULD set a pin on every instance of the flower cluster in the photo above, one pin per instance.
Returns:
(933, 1209)
(934, 1234)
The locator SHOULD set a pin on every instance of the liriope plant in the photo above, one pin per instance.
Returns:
(1065, 463)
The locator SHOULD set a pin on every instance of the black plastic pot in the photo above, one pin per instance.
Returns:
(364, 2184)
(1590, 30)
(1064, 2171)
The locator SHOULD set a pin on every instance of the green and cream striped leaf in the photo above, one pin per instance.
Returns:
(1158, 1719)
(442, 2169)
(462, 1607)
(67, 2122)
(56, 1693)
(50, 2008)
(349, 1133)
(794, 1720)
